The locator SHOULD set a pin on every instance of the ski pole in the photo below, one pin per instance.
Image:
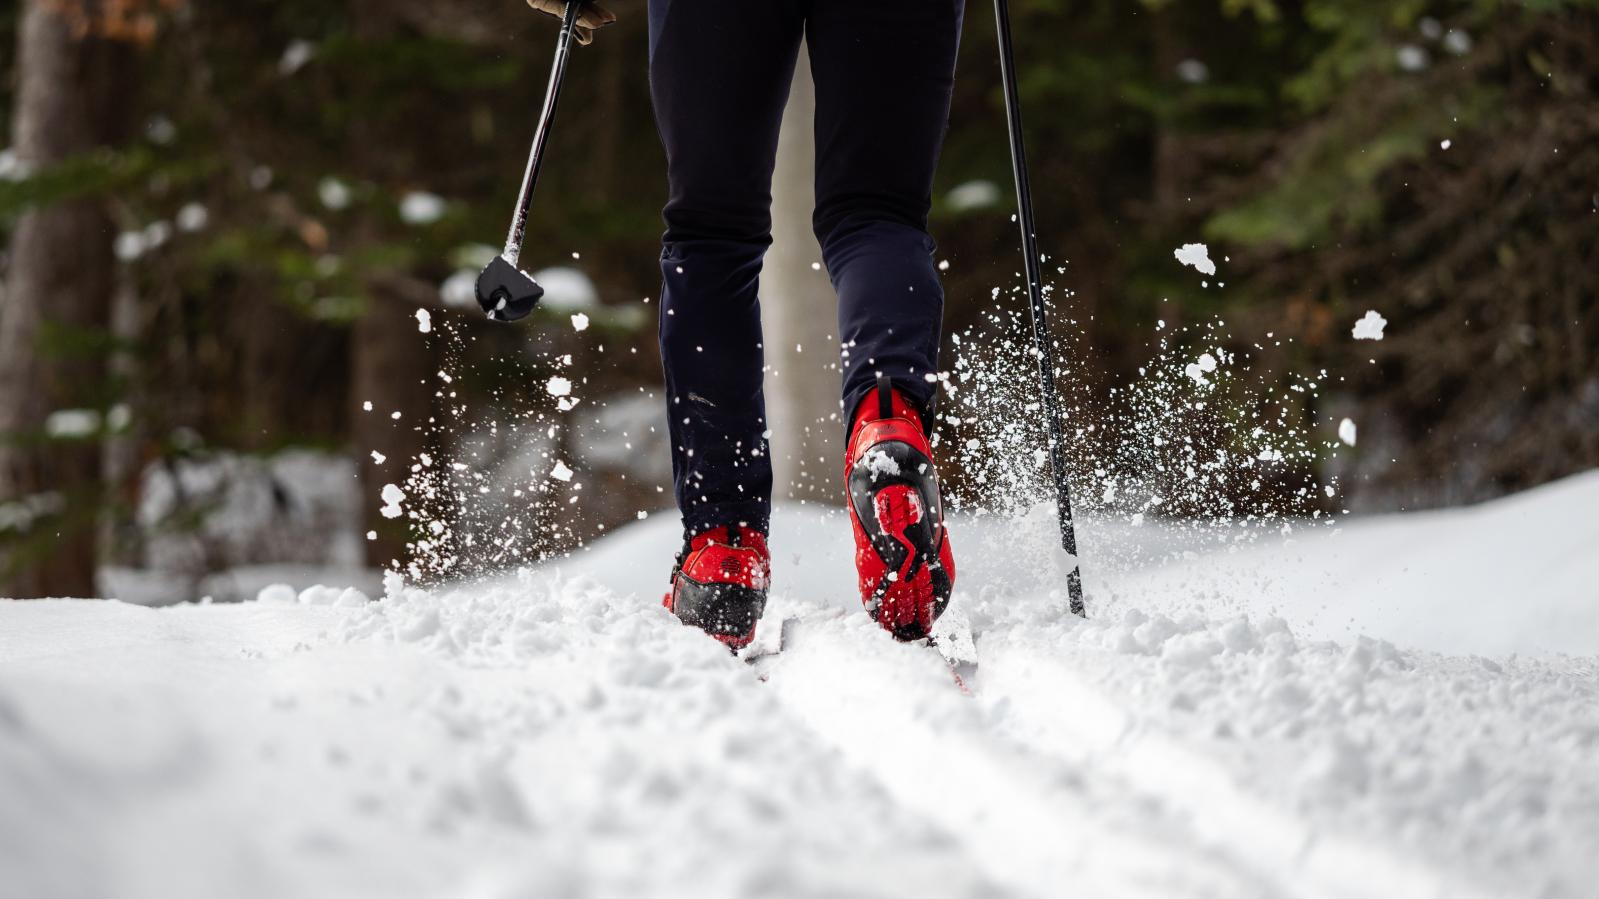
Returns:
(503, 290)
(1035, 297)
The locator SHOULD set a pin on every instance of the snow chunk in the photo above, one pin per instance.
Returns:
(276, 594)
(70, 424)
(973, 195)
(459, 289)
(1411, 58)
(392, 497)
(11, 167)
(881, 464)
(560, 472)
(580, 322)
(333, 193)
(319, 596)
(1193, 71)
(1196, 255)
(295, 56)
(193, 217)
(1370, 327)
(1346, 432)
(566, 289)
(421, 208)
(1198, 370)
(559, 386)
(424, 321)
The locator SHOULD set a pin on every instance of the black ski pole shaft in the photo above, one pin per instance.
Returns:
(535, 159)
(1035, 297)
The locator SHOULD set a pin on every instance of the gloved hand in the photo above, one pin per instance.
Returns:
(592, 17)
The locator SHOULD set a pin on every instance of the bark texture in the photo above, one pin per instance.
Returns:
(56, 305)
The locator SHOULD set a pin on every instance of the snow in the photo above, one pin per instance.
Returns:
(193, 217)
(67, 424)
(295, 56)
(392, 497)
(1377, 709)
(1411, 58)
(421, 208)
(881, 465)
(973, 195)
(580, 322)
(333, 193)
(1197, 256)
(12, 168)
(1199, 369)
(1193, 71)
(424, 321)
(566, 289)
(1346, 432)
(1370, 326)
(459, 289)
(558, 386)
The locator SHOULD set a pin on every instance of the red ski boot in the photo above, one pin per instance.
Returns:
(902, 549)
(719, 583)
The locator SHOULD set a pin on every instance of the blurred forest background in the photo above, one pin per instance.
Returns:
(220, 219)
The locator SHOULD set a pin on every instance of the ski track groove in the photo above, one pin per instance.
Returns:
(1079, 722)
(923, 731)
(1033, 824)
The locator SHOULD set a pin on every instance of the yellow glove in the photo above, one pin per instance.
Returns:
(592, 17)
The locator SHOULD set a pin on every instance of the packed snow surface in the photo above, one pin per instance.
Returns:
(1376, 710)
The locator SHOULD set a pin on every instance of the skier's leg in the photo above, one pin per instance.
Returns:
(719, 77)
(884, 74)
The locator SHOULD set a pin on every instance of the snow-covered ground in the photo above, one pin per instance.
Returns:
(1382, 709)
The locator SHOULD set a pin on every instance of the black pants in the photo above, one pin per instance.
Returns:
(719, 75)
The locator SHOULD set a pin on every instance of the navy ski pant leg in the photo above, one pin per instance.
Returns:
(719, 77)
(884, 73)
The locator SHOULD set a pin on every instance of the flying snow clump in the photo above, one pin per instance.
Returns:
(560, 472)
(1370, 326)
(1346, 432)
(1196, 255)
(424, 321)
(559, 386)
(392, 497)
(1199, 369)
(580, 322)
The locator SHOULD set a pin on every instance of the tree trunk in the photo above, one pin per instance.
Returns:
(70, 100)
(390, 362)
(800, 313)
